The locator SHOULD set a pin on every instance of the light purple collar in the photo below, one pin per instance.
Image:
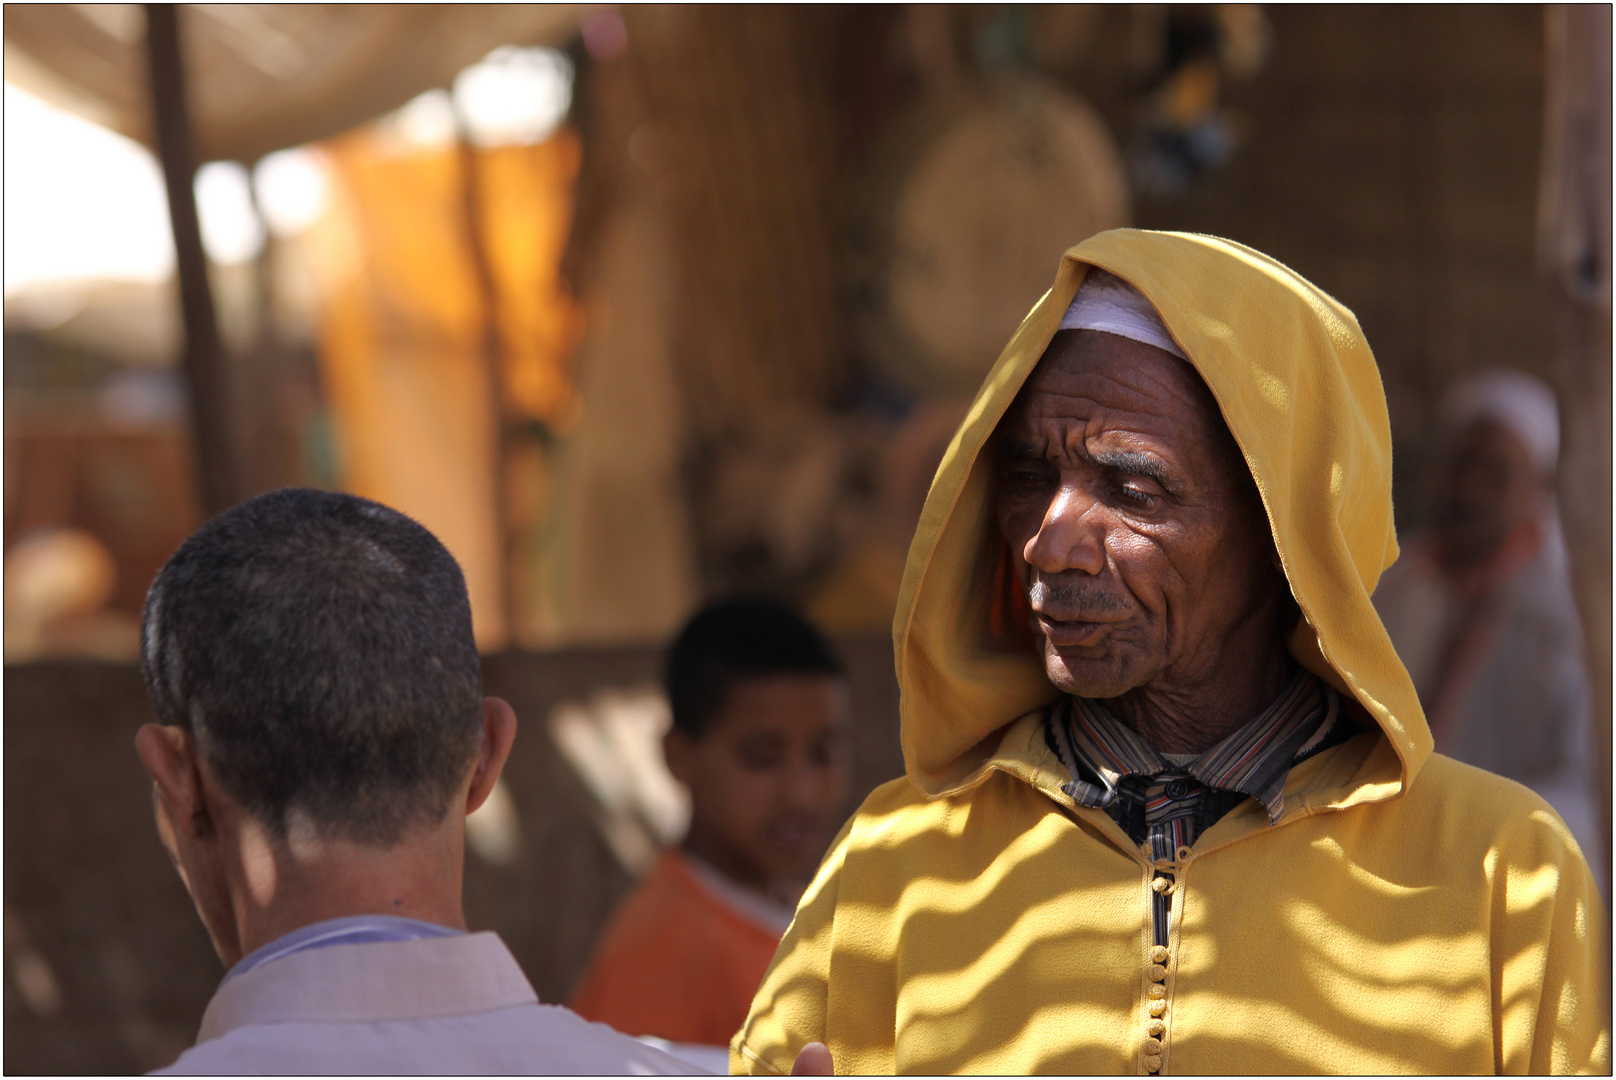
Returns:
(352, 930)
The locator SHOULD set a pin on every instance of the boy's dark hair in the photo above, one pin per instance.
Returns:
(732, 640)
(318, 647)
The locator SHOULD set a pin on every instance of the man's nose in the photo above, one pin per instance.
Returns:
(803, 783)
(1071, 535)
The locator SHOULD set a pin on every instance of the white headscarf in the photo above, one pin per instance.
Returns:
(1106, 302)
(1520, 403)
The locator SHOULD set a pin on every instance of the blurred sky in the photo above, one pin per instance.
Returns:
(83, 203)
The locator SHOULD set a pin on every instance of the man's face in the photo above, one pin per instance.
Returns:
(1486, 482)
(1131, 519)
(768, 775)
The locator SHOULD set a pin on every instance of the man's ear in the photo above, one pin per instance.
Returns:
(677, 750)
(170, 756)
(499, 731)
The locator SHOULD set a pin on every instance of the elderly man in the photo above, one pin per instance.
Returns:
(322, 736)
(1171, 804)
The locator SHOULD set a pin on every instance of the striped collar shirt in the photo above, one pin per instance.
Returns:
(1169, 804)
(1164, 806)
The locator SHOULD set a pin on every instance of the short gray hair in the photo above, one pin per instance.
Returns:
(318, 647)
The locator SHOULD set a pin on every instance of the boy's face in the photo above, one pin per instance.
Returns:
(767, 777)
(1486, 484)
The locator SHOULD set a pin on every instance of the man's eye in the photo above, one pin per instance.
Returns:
(1136, 495)
(1027, 478)
(826, 750)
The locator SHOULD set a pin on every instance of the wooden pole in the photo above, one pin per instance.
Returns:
(493, 350)
(203, 363)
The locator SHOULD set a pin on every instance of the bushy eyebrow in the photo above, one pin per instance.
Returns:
(1127, 461)
(1131, 461)
(1018, 450)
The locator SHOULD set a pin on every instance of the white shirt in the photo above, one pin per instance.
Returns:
(456, 1004)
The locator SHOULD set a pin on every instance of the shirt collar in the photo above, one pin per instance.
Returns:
(359, 984)
(1253, 760)
(350, 930)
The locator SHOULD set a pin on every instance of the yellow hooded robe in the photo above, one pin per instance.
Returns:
(1407, 913)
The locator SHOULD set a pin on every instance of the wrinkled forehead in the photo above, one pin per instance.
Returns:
(1091, 376)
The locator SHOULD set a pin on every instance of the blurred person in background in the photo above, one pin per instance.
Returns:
(760, 716)
(321, 736)
(1480, 605)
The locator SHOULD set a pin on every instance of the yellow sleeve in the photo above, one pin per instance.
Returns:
(789, 1010)
(1551, 979)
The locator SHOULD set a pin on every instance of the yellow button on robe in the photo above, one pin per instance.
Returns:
(1406, 914)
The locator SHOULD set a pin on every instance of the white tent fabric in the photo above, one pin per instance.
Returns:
(263, 77)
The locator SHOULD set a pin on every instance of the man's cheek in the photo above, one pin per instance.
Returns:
(1019, 519)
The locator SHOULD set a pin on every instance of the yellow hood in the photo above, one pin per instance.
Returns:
(1300, 392)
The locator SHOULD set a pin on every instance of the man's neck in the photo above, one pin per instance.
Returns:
(311, 882)
(720, 858)
(1193, 718)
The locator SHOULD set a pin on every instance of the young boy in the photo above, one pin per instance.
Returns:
(759, 730)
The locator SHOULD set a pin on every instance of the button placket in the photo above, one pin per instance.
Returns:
(1153, 1046)
(1156, 994)
(1162, 884)
(1164, 958)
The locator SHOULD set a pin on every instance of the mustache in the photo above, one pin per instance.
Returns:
(1074, 594)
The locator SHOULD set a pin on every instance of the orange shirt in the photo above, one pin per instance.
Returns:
(676, 961)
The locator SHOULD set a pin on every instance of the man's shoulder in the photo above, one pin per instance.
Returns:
(457, 1004)
(898, 809)
(1493, 811)
(523, 1039)
(899, 824)
(896, 794)
(1014, 771)
(1453, 782)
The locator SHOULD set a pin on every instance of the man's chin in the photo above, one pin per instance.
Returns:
(1103, 676)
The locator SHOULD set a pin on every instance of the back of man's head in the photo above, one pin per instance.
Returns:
(318, 647)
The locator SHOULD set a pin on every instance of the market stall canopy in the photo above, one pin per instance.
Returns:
(264, 77)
